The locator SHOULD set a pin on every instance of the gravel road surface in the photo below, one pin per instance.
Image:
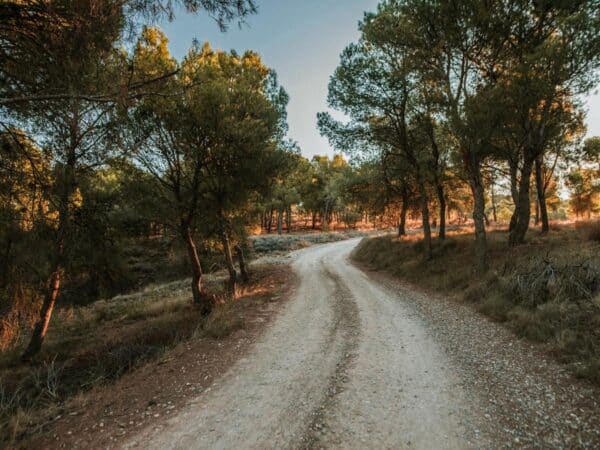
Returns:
(353, 362)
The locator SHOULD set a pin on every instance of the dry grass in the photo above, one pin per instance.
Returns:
(547, 291)
(590, 230)
(97, 344)
(223, 321)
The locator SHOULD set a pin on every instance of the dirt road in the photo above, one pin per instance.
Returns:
(347, 364)
(357, 360)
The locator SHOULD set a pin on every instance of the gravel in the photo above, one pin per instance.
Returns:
(528, 399)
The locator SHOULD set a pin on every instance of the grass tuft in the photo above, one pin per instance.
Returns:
(222, 321)
(590, 230)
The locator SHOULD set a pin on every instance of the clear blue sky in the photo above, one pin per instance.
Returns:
(301, 40)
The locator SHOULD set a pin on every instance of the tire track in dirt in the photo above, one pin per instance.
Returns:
(346, 330)
(401, 390)
(268, 398)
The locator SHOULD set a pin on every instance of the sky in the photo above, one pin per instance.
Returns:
(301, 40)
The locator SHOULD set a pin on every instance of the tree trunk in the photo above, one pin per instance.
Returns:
(242, 261)
(229, 261)
(479, 222)
(425, 217)
(54, 280)
(324, 221)
(199, 294)
(541, 194)
(438, 173)
(442, 202)
(494, 209)
(279, 221)
(314, 220)
(523, 207)
(288, 216)
(514, 193)
(473, 169)
(403, 211)
(270, 221)
(41, 326)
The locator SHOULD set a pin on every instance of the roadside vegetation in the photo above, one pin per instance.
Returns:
(95, 345)
(285, 243)
(547, 291)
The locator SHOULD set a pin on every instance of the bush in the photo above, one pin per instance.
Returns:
(495, 306)
(542, 280)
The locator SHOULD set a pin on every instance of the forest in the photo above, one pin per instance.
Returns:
(461, 133)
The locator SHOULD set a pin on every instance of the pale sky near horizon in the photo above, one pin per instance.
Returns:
(302, 41)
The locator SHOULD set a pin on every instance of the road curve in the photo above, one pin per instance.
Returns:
(347, 364)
